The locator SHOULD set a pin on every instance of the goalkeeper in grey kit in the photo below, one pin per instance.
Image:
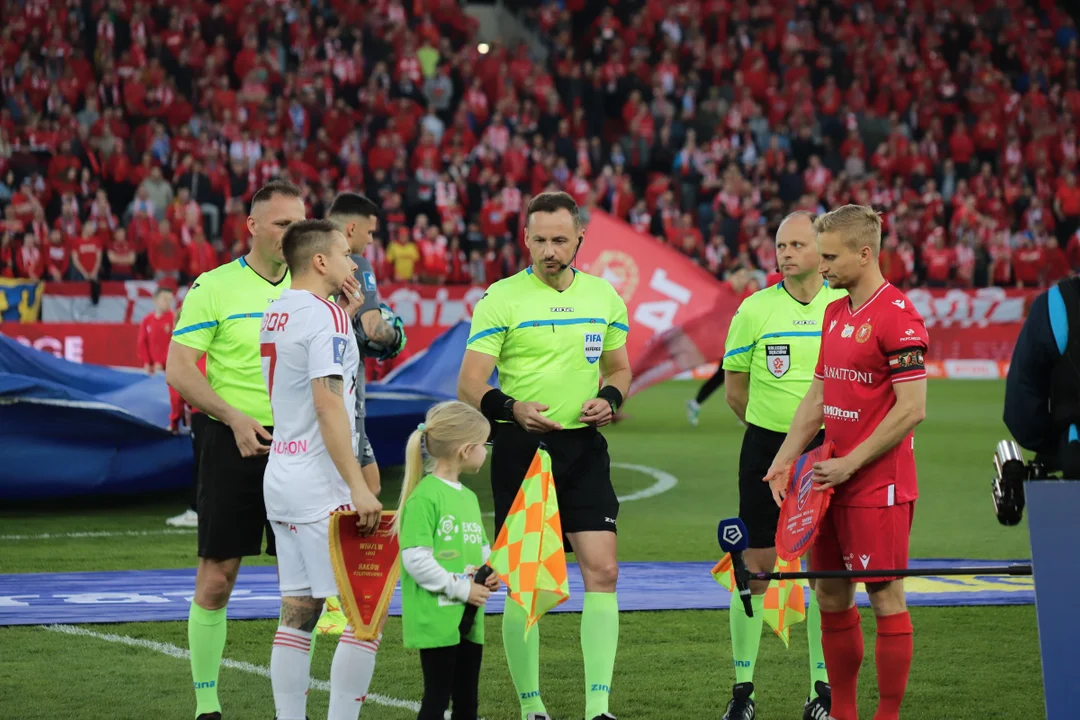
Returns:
(379, 334)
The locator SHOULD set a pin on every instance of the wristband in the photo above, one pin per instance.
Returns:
(497, 405)
(612, 395)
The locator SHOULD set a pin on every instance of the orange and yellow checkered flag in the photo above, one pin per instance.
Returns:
(528, 555)
(785, 601)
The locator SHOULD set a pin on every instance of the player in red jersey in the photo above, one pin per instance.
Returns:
(870, 392)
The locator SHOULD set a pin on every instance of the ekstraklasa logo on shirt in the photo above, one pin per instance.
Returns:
(471, 533)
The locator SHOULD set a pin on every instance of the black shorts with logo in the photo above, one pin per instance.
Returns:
(580, 467)
(232, 513)
(757, 509)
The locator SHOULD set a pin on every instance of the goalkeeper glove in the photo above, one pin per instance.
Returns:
(394, 349)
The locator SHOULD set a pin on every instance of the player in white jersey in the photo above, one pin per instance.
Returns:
(311, 364)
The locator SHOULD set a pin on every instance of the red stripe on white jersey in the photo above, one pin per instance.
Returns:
(333, 311)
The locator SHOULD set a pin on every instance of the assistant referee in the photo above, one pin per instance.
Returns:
(553, 333)
(771, 350)
(221, 318)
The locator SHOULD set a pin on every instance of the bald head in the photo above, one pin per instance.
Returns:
(796, 250)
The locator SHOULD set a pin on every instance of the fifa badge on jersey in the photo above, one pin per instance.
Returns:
(594, 346)
(848, 331)
(339, 350)
(864, 333)
(369, 281)
(778, 358)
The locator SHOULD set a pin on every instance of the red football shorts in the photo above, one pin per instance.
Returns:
(863, 538)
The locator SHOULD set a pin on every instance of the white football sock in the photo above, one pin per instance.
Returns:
(350, 675)
(290, 672)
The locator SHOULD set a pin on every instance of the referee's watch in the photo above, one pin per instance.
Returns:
(508, 409)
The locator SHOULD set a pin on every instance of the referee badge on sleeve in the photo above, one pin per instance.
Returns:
(778, 358)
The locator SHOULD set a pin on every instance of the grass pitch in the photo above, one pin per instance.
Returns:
(671, 664)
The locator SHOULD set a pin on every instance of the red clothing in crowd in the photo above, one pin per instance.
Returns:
(30, 262)
(1028, 265)
(57, 261)
(87, 250)
(155, 333)
(939, 262)
(201, 257)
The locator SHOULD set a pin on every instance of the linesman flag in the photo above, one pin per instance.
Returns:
(528, 555)
(785, 600)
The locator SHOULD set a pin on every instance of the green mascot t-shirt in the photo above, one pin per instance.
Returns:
(445, 518)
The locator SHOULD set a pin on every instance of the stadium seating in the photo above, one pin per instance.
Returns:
(137, 135)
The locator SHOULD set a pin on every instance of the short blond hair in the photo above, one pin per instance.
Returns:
(859, 225)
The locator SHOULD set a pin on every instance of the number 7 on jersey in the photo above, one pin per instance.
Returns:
(268, 351)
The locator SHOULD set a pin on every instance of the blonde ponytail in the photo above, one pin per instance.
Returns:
(448, 427)
(414, 472)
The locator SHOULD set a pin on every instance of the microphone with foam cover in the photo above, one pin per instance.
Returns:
(734, 539)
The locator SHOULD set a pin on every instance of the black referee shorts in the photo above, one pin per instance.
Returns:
(198, 426)
(757, 509)
(580, 466)
(232, 513)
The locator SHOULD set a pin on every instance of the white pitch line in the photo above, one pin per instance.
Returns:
(99, 534)
(664, 481)
(181, 654)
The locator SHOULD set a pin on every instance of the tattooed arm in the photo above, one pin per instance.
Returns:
(377, 329)
(328, 394)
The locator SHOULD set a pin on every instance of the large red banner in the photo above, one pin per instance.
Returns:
(95, 343)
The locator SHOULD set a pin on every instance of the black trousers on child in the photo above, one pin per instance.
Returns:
(451, 673)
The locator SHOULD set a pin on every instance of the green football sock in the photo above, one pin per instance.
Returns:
(813, 637)
(746, 635)
(206, 639)
(599, 642)
(523, 658)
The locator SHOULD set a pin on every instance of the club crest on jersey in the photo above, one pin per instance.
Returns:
(848, 331)
(864, 333)
(778, 358)
(594, 346)
(339, 350)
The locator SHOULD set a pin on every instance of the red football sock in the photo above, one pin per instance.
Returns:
(842, 642)
(893, 655)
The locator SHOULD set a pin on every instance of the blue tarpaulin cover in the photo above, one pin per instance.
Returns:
(70, 429)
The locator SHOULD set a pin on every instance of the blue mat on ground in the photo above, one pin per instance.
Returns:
(158, 595)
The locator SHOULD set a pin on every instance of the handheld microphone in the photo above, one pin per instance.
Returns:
(733, 538)
(469, 616)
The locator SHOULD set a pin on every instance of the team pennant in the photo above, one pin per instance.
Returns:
(785, 600)
(366, 568)
(528, 555)
(803, 507)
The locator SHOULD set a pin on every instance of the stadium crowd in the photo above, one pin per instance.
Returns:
(132, 133)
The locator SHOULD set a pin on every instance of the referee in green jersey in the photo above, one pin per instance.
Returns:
(554, 333)
(221, 318)
(772, 348)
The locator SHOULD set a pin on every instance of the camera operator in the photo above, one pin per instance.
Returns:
(1042, 391)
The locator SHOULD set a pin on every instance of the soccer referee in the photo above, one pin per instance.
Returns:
(221, 318)
(553, 333)
(772, 348)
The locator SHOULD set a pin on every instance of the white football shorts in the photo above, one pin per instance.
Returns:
(303, 559)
